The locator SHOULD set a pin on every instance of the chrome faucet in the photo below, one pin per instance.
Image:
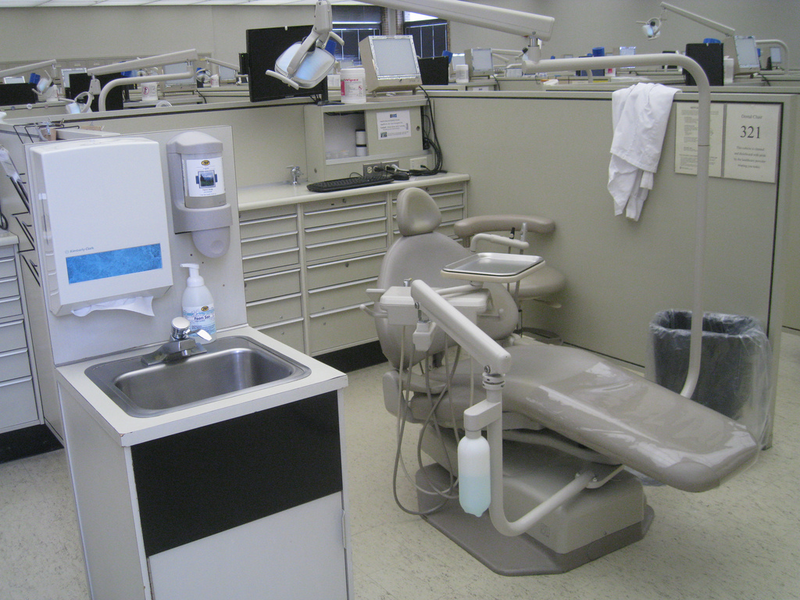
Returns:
(180, 344)
(296, 174)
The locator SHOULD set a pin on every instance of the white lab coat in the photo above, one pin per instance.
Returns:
(639, 115)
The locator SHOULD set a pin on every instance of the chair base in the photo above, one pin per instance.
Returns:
(541, 335)
(520, 555)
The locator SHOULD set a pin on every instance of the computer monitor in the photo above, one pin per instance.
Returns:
(390, 63)
(264, 46)
(480, 61)
(66, 72)
(745, 54)
(434, 71)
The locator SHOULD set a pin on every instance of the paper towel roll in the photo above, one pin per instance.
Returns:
(141, 304)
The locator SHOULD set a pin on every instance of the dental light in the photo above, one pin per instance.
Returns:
(306, 64)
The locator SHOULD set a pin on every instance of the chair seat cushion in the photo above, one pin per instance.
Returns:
(621, 415)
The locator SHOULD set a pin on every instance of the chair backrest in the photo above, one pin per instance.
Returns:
(420, 253)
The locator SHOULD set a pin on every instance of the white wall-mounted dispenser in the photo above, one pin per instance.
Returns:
(197, 187)
(103, 232)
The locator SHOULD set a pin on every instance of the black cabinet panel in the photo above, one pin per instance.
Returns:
(207, 480)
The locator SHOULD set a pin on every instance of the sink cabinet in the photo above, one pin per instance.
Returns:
(238, 501)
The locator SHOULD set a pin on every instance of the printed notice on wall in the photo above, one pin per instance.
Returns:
(394, 124)
(751, 142)
(686, 139)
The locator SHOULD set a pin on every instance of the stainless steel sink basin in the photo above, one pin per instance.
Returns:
(229, 365)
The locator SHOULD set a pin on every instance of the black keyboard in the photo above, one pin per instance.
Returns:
(349, 183)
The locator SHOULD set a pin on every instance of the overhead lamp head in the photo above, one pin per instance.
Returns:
(304, 64)
(652, 28)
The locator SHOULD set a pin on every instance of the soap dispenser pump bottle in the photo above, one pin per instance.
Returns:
(198, 304)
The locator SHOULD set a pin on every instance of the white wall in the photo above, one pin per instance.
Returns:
(580, 26)
(120, 31)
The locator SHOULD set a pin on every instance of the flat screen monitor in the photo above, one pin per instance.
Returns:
(264, 46)
(747, 60)
(66, 72)
(390, 63)
(481, 62)
(16, 93)
(434, 71)
(775, 55)
(79, 82)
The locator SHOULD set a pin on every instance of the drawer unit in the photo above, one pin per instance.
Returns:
(12, 336)
(346, 247)
(337, 212)
(271, 285)
(332, 273)
(339, 296)
(340, 329)
(274, 311)
(9, 286)
(8, 267)
(269, 243)
(271, 260)
(10, 307)
(17, 402)
(14, 364)
(345, 231)
(290, 333)
(308, 263)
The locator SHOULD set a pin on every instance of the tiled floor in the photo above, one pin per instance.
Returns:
(741, 541)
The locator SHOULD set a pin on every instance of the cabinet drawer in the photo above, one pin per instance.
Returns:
(319, 235)
(9, 287)
(14, 364)
(345, 214)
(340, 271)
(17, 403)
(290, 333)
(271, 260)
(264, 227)
(10, 307)
(340, 329)
(261, 287)
(339, 296)
(7, 268)
(12, 336)
(271, 212)
(269, 243)
(339, 248)
(310, 209)
(274, 311)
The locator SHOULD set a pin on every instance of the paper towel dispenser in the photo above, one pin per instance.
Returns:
(101, 220)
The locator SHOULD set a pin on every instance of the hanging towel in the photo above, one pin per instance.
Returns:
(639, 116)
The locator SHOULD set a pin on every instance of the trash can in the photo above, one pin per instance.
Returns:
(734, 364)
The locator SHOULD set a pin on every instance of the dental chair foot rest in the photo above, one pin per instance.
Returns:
(520, 555)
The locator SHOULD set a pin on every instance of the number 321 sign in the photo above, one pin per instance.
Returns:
(751, 141)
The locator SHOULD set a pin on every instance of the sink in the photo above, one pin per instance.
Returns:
(229, 365)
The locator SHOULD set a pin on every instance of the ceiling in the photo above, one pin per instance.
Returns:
(62, 3)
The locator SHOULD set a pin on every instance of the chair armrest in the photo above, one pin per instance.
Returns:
(468, 227)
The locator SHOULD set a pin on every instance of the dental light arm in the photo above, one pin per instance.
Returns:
(27, 68)
(143, 63)
(699, 19)
(491, 17)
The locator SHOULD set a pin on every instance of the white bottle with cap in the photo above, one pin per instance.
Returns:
(198, 304)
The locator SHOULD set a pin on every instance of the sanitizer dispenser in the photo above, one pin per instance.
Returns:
(197, 187)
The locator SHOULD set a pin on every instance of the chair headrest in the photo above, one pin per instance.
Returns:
(417, 212)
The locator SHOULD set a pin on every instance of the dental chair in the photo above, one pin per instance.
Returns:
(571, 429)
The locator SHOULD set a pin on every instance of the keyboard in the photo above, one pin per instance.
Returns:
(349, 183)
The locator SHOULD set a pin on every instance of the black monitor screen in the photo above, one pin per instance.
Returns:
(79, 82)
(434, 71)
(16, 93)
(264, 46)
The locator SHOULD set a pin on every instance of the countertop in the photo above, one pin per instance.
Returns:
(129, 430)
(277, 194)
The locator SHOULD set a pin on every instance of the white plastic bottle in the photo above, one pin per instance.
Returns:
(198, 304)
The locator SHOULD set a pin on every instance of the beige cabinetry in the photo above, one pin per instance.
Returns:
(17, 397)
(308, 259)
